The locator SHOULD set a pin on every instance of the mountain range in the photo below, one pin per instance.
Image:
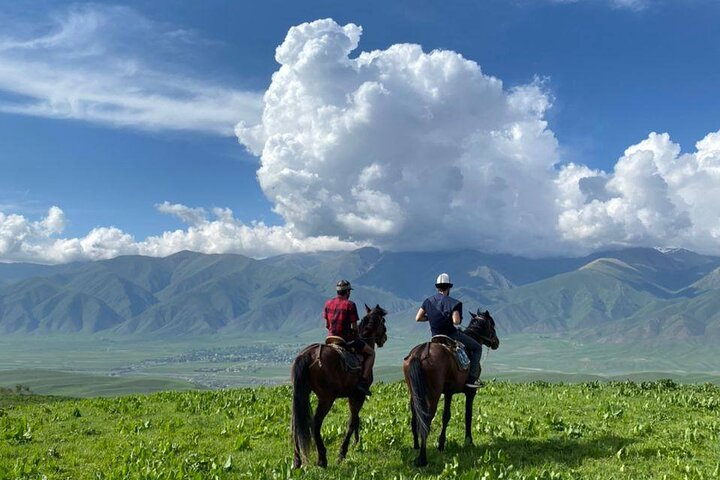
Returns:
(615, 296)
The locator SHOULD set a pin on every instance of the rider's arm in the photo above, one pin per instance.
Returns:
(420, 317)
(457, 319)
(354, 319)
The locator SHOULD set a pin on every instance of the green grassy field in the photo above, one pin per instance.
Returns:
(522, 431)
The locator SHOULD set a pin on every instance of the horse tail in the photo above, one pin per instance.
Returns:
(418, 396)
(301, 413)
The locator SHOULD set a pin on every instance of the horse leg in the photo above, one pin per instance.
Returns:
(421, 460)
(469, 398)
(413, 424)
(357, 432)
(353, 424)
(445, 421)
(297, 457)
(433, 400)
(323, 407)
(357, 424)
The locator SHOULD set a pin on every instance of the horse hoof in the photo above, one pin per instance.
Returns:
(441, 448)
(416, 447)
(340, 458)
(469, 442)
(420, 462)
(322, 463)
(297, 464)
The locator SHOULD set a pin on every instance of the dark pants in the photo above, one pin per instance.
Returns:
(368, 358)
(474, 351)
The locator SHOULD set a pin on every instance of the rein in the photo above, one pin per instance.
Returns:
(484, 338)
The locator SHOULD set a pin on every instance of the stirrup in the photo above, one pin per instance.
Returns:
(473, 383)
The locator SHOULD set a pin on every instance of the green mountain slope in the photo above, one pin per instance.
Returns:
(641, 292)
(596, 293)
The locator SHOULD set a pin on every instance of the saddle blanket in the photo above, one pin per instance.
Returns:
(456, 348)
(352, 360)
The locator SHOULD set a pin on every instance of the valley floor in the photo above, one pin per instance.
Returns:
(86, 366)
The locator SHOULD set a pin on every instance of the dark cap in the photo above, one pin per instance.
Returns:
(343, 286)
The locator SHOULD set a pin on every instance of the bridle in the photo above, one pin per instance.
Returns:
(365, 322)
(486, 340)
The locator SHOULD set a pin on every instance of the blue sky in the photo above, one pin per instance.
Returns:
(105, 113)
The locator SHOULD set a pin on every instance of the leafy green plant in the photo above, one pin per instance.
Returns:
(522, 431)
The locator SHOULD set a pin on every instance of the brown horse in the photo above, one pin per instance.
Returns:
(431, 370)
(321, 369)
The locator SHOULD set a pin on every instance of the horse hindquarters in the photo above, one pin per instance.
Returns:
(301, 413)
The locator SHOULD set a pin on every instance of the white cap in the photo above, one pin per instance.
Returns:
(443, 279)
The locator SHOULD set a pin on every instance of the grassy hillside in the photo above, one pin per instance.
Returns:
(522, 431)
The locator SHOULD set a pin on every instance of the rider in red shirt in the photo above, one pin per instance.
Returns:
(341, 319)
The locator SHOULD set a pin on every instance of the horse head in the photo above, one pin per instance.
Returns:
(372, 326)
(482, 327)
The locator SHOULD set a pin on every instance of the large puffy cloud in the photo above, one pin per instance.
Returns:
(403, 148)
(39, 241)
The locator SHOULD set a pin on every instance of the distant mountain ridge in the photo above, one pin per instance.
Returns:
(615, 296)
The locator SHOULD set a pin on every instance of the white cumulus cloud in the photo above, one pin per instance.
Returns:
(408, 149)
(22, 239)
(401, 147)
(655, 196)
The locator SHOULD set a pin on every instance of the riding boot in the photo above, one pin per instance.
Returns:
(473, 380)
(368, 362)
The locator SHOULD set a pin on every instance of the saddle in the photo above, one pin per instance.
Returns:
(457, 349)
(352, 359)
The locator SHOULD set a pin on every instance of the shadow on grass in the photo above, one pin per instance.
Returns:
(521, 452)
(8, 400)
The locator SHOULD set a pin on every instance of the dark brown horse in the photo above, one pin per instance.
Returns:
(321, 369)
(431, 370)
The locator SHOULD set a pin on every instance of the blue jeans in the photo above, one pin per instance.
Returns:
(474, 351)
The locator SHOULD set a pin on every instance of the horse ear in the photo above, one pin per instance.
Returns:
(478, 312)
(377, 306)
(367, 309)
(487, 312)
(472, 315)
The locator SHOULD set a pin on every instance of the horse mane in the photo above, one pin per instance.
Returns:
(475, 327)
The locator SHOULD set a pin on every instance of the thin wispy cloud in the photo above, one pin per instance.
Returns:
(106, 65)
(635, 5)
